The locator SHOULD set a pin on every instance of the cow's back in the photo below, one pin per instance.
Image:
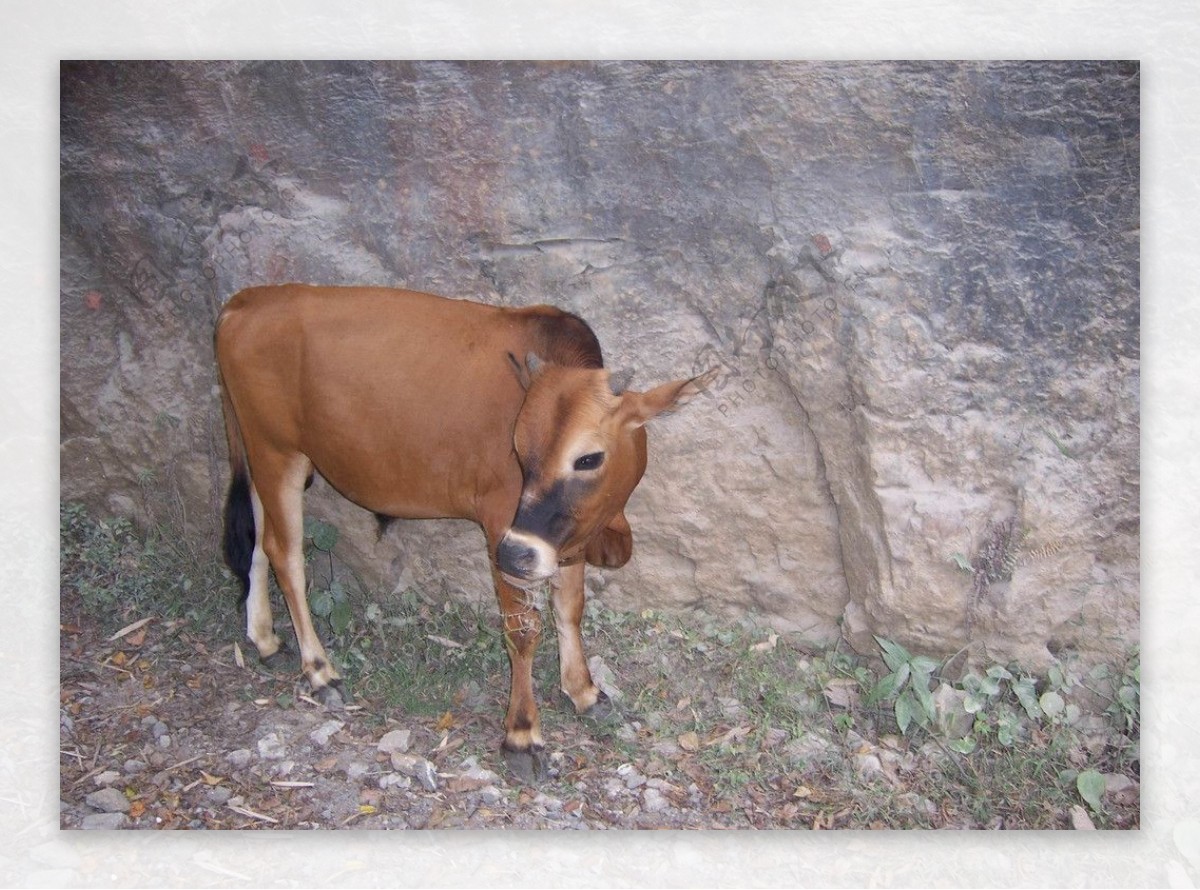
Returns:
(405, 402)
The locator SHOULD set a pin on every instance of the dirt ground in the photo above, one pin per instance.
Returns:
(164, 729)
(168, 723)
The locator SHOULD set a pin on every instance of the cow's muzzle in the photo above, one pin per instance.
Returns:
(525, 558)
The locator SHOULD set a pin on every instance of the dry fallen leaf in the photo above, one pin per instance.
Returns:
(130, 628)
(766, 645)
(728, 737)
(238, 658)
(246, 811)
(136, 809)
(842, 693)
(460, 784)
(210, 779)
(445, 722)
(1080, 820)
(689, 742)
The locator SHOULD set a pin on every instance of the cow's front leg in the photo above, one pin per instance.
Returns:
(523, 745)
(568, 596)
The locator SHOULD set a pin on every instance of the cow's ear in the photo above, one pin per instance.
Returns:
(638, 407)
(526, 372)
(613, 546)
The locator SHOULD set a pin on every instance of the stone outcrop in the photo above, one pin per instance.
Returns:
(921, 281)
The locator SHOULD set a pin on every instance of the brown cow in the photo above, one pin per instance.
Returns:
(417, 406)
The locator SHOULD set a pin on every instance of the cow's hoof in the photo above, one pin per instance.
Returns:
(334, 696)
(604, 709)
(528, 766)
(283, 661)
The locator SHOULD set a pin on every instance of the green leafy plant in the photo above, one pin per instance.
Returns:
(907, 685)
(986, 698)
(332, 604)
(1125, 691)
(1091, 788)
(324, 535)
(962, 562)
(1054, 701)
(329, 600)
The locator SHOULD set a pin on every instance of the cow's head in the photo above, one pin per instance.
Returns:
(581, 441)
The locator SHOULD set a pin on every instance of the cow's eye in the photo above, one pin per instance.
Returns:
(590, 461)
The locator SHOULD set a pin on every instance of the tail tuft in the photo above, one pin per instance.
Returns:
(239, 531)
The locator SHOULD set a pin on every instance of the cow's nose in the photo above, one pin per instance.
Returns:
(516, 558)
(525, 557)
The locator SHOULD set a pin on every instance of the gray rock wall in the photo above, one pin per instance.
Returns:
(920, 279)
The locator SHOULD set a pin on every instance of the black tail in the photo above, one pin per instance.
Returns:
(239, 531)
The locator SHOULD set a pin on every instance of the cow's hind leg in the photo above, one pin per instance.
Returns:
(260, 627)
(568, 596)
(523, 744)
(282, 504)
(244, 553)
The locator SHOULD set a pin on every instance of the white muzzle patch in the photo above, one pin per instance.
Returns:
(525, 559)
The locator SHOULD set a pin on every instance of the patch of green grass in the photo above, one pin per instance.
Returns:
(1016, 785)
(426, 658)
(118, 573)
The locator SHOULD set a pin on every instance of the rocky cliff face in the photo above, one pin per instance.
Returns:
(921, 281)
